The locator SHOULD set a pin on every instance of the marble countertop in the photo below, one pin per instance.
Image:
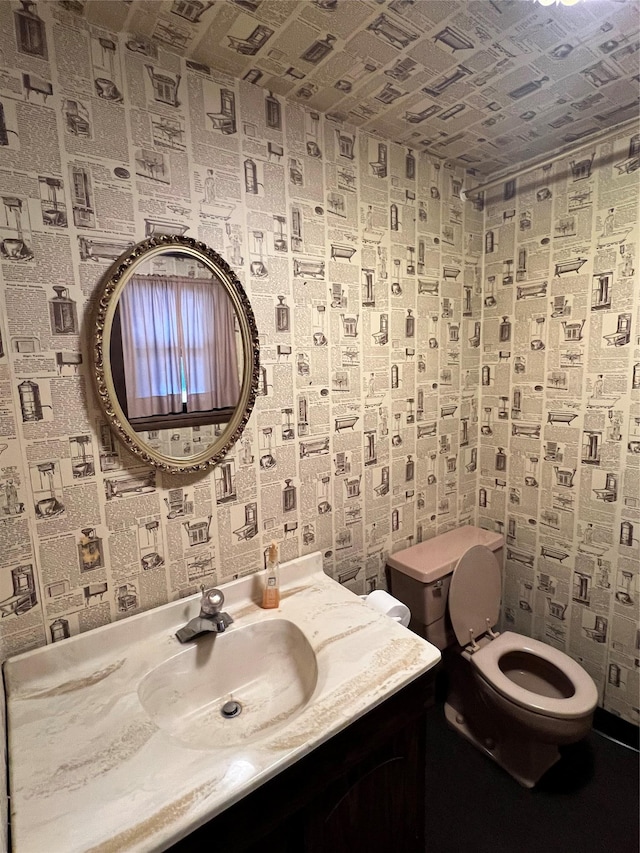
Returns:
(89, 767)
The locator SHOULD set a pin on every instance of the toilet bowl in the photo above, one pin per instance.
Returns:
(515, 698)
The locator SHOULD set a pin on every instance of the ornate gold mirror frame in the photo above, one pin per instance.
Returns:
(106, 306)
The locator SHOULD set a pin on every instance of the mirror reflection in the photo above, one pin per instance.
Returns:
(180, 353)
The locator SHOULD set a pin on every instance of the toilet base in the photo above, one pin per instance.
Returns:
(525, 759)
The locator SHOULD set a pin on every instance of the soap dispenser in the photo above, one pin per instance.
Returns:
(271, 592)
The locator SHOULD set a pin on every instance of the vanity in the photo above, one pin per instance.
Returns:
(117, 740)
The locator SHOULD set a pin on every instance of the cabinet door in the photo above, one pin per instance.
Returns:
(378, 807)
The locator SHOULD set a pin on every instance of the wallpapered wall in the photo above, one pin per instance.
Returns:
(355, 254)
(560, 411)
(365, 272)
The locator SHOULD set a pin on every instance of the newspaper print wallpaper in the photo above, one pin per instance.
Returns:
(416, 373)
(559, 467)
(355, 253)
(486, 82)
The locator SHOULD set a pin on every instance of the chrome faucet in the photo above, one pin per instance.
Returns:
(211, 618)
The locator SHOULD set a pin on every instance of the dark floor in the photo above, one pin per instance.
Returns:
(587, 803)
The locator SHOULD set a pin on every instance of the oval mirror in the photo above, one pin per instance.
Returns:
(175, 353)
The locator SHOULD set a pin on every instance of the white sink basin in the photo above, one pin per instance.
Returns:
(231, 688)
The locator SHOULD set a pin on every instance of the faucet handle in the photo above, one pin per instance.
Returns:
(211, 602)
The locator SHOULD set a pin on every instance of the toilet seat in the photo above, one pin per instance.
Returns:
(487, 664)
(474, 608)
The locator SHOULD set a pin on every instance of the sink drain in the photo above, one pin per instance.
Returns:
(231, 709)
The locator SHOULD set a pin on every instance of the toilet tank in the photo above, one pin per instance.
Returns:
(420, 576)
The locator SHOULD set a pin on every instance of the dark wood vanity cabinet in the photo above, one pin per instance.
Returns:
(364, 790)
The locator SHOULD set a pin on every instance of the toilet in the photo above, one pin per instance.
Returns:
(515, 698)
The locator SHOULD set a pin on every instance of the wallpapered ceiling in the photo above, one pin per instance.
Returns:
(487, 82)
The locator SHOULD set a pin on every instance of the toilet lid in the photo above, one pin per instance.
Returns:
(474, 594)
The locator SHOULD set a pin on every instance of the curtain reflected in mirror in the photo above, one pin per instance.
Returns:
(179, 348)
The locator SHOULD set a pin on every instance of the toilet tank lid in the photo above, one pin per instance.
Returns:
(431, 560)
